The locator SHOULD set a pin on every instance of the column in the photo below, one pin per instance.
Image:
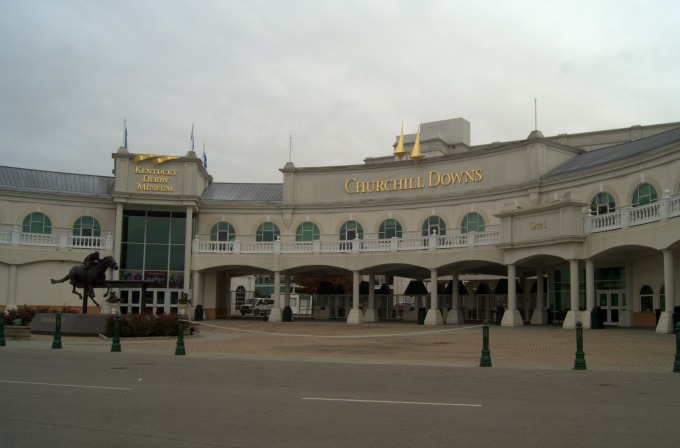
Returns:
(574, 314)
(276, 315)
(12, 288)
(355, 315)
(512, 317)
(590, 294)
(117, 240)
(540, 315)
(371, 314)
(187, 250)
(434, 316)
(665, 324)
(225, 305)
(455, 314)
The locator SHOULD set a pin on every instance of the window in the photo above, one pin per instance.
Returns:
(351, 230)
(267, 232)
(434, 224)
(390, 228)
(602, 204)
(473, 222)
(646, 298)
(307, 231)
(84, 229)
(37, 223)
(222, 231)
(644, 194)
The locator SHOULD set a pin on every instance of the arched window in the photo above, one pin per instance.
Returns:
(602, 204)
(222, 231)
(390, 228)
(267, 232)
(646, 298)
(644, 194)
(472, 222)
(307, 231)
(240, 296)
(434, 224)
(351, 230)
(86, 226)
(37, 222)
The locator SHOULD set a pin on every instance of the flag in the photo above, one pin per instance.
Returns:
(125, 133)
(205, 159)
(192, 137)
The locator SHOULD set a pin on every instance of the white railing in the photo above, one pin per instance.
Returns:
(61, 240)
(624, 217)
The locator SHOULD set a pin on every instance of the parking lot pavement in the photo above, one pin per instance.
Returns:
(528, 347)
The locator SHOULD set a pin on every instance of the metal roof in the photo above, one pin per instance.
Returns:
(243, 192)
(22, 179)
(613, 154)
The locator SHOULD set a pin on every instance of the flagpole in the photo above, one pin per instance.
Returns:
(125, 133)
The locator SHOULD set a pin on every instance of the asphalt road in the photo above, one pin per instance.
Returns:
(58, 398)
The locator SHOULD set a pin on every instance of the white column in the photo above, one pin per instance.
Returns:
(276, 315)
(11, 288)
(511, 316)
(118, 236)
(187, 249)
(355, 315)
(665, 324)
(371, 314)
(434, 316)
(455, 314)
(574, 315)
(540, 315)
(228, 306)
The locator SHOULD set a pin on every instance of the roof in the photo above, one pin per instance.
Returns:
(243, 192)
(22, 179)
(613, 154)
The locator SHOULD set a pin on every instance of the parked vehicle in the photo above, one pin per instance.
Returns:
(257, 306)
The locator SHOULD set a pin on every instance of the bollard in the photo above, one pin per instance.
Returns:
(676, 366)
(56, 342)
(2, 329)
(179, 350)
(580, 362)
(115, 346)
(485, 361)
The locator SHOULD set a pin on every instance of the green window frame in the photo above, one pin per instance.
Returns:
(390, 228)
(87, 226)
(267, 231)
(473, 222)
(222, 231)
(434, 224)
(351, 230)
(602, 204)
(644, 194)
(307, 231)
(37, 222)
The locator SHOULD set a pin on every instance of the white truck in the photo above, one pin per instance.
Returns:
(257, 306)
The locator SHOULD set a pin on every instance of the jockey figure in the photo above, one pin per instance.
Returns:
(92, 259)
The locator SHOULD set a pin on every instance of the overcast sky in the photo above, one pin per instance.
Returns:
(339, 76)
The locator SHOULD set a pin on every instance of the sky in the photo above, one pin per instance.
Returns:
(319, 82)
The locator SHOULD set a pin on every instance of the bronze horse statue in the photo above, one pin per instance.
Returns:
(88, 278)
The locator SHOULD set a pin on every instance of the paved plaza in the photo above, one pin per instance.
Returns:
(529, 347)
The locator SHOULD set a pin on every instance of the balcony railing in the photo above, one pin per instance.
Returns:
(431, 242)
(625, 217)
(59, 241)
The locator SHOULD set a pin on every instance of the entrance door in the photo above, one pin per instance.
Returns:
(611, 303)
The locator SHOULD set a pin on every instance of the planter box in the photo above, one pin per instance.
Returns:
(17, 332)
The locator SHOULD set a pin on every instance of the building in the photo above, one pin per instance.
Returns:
(577, 221)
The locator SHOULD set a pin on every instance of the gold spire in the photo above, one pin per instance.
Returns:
(399, 150)
(415, 154)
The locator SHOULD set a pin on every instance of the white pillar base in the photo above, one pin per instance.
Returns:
(574, 316)
(371, 316)
(355, 316)
(434, 317)
(455, 317)
(665, 324)
(275, 315)
(540, 317)
(512, 319)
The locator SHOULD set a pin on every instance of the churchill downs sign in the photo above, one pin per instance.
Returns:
(434, 179)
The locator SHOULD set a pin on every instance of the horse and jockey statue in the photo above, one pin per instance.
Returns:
(89, 275)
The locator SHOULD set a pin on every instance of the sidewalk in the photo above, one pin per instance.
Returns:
(529, 347)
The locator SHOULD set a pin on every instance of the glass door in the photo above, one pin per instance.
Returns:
(611, 303)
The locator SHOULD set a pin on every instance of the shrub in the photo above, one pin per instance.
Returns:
(25, 313)
(142, 325)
